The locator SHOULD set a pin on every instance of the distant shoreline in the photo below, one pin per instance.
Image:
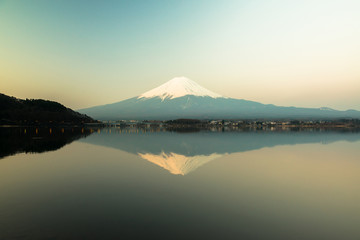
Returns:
(242, 124)
(56, 125)
(208, 124)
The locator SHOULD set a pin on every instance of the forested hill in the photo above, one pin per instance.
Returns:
(38, 111)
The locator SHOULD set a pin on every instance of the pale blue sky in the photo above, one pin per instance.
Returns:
(86, 53)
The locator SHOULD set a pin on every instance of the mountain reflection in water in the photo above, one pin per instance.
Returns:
(181, 153)
(114, 183)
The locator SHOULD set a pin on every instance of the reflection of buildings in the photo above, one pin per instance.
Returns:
(178, 164)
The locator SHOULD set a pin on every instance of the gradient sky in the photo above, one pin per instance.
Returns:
(86, 53)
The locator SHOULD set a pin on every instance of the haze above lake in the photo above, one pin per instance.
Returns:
(151, 183)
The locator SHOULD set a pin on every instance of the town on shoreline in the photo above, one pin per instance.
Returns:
(238, 124)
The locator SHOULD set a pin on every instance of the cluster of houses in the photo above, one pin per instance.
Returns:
(231, 123)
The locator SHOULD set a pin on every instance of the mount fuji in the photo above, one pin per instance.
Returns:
(183, 98)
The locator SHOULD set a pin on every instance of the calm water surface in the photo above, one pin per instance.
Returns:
(140, 184)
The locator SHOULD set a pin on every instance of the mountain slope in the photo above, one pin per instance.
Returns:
(29, 111)
(183, 98)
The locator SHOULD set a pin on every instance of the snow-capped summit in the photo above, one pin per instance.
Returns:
(179, 87)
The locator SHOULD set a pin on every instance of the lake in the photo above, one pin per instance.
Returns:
(151, 183)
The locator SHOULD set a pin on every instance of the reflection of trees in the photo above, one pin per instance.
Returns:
(37, 140)
(183, 130)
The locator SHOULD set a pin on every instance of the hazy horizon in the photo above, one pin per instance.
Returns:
(83, 54)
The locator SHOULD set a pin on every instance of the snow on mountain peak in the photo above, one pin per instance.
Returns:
(179, 87)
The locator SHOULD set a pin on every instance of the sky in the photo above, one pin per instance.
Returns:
(86, 53)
